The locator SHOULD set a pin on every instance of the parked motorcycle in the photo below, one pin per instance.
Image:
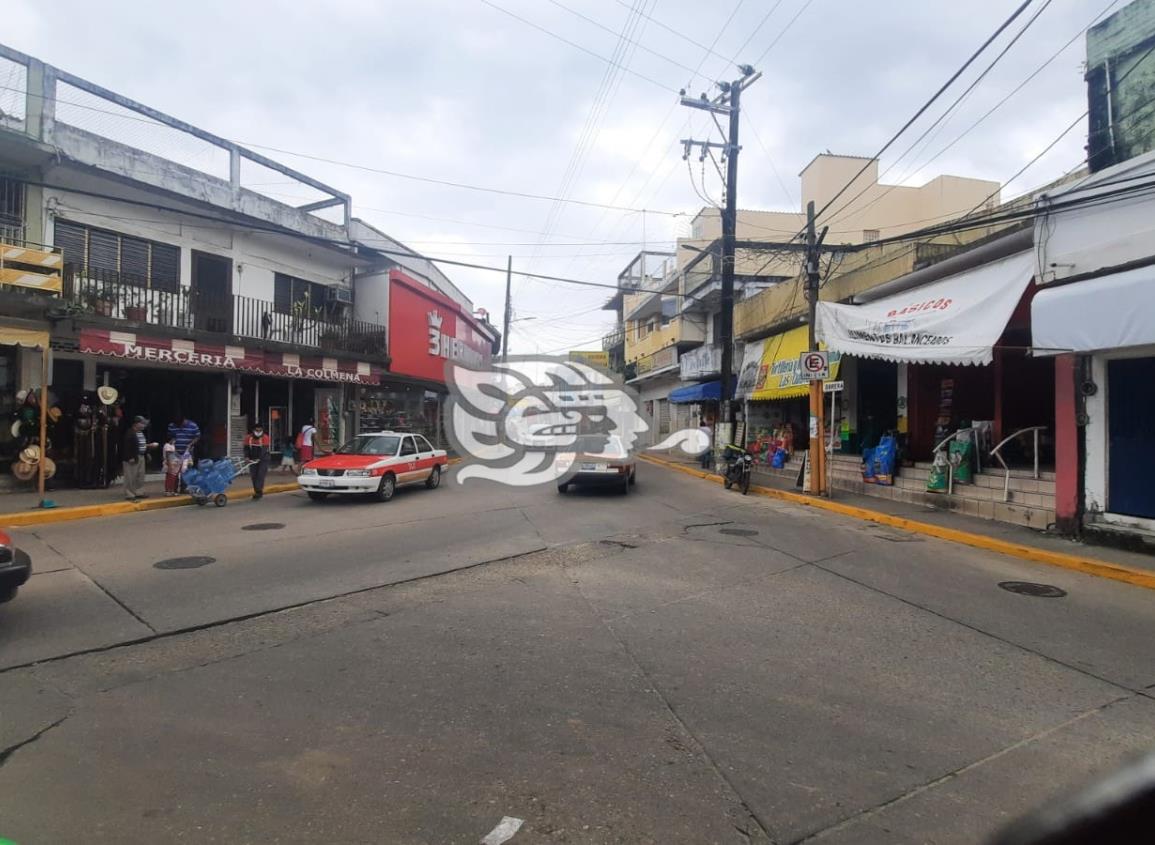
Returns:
(739, 467)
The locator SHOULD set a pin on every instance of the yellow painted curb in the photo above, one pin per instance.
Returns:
(47, 517)
(1076, 563)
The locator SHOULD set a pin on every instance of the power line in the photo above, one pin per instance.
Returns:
(637, 44)
(965, 93)
(574, 44)
(785, 29)
(367, 168)
(922, 110)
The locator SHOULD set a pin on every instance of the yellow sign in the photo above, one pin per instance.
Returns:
(595, 358)
(778, 375)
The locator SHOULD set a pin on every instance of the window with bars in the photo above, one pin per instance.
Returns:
(11, 210)
(291, 294)
(139, 261)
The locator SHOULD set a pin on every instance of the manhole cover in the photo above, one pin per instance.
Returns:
(1026, 588)
(184, 562)
(738, 532)
(263, 526)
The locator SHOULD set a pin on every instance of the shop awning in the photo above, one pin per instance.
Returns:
(709, 391)
(13, 336)
(1110, 312)
(770, 367)
(953, 321)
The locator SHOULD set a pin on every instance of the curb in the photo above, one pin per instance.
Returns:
(1075, 563)
(47, 517)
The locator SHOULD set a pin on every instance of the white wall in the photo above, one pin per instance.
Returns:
(1096, 471)
(371, 297)
(256, 256)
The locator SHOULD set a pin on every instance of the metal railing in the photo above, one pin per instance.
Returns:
(615, 338)
(129, 297)
(995, 452)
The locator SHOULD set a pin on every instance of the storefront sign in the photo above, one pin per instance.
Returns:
(701, 362)
(428, 330)
(771, 367)
(660, 360)
(187, 353)
(953, 321)
(833, 386)
(592, 357)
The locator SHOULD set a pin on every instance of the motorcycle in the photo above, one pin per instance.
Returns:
(739, 466)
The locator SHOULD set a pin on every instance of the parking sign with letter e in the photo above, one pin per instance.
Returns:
(815, 366)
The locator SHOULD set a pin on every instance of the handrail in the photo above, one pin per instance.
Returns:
(1006, 469)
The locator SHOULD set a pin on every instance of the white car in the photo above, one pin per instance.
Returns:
(376, 464)
(599, 461)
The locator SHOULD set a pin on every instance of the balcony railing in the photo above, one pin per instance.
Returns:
(124, 296)
(615, 338)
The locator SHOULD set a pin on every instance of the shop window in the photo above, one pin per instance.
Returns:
(291, 294)
(138, 261)
(11, 210)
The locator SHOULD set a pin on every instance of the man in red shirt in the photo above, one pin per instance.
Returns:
(257, 449)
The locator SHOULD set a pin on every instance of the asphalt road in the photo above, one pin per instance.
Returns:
(681, 664)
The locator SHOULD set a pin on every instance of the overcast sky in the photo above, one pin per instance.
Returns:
(459, 90)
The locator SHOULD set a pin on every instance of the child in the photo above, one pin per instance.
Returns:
(173, 465)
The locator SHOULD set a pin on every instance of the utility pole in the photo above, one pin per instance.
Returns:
(508, 307)
(817, 425)
(728, 103)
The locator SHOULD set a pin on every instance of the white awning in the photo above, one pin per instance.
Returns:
(1110, 312)
(956, 320)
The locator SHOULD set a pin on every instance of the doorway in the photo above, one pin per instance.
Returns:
(1130, 459)
(212, 289)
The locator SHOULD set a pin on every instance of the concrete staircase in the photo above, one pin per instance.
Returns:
(1032, 502)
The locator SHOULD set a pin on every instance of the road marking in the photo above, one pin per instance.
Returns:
(504, 831)
(1075, 563)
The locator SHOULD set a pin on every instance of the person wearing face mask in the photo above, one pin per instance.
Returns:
(257, 449)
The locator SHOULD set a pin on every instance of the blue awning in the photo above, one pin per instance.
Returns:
(709, 391)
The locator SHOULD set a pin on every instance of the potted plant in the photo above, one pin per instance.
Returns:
(134, 307)
(97, 297)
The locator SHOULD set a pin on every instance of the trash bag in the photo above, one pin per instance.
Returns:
(885, 457)
(868, 465)
(962, 457)
(779, 459)
(936, 479)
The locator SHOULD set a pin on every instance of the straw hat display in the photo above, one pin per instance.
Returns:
(49, 467)
(106, 394)
(30, 454)
(24, 471)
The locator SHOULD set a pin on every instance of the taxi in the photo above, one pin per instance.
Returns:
(375, 464)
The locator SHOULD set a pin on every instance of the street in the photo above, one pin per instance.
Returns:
(682, 664)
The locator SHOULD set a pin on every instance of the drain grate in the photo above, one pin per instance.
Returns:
(263, 526)
(1026, 588)
(184, 562)
(738, 532)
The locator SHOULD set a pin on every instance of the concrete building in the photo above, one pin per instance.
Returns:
(1119, 86)
(177, 276)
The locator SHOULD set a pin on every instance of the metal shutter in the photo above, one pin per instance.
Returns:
(164, 267)
(103, 250)
(71, 240)
(134, 261)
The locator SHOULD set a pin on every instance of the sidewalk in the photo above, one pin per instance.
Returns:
(22, 507)
(1001, 537)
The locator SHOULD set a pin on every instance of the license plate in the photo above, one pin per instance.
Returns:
(325, 482)
(589, 467)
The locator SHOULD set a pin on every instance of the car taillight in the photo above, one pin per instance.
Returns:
(621, 468)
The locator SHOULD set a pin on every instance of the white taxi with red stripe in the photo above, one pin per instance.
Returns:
(375, 463)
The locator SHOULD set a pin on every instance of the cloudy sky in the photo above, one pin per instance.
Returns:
(462, 90)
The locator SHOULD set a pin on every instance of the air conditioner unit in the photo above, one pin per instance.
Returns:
(340, 296)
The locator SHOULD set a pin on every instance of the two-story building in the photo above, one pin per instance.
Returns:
(198, 278)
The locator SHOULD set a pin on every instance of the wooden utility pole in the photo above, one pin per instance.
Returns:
(817, 426)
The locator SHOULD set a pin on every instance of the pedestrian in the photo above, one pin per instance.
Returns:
(134, 452)
(185, 434)
(706, 457)
(305, 442)
(174, 463)
(257, 447)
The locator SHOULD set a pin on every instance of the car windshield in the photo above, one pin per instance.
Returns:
(371, 444)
